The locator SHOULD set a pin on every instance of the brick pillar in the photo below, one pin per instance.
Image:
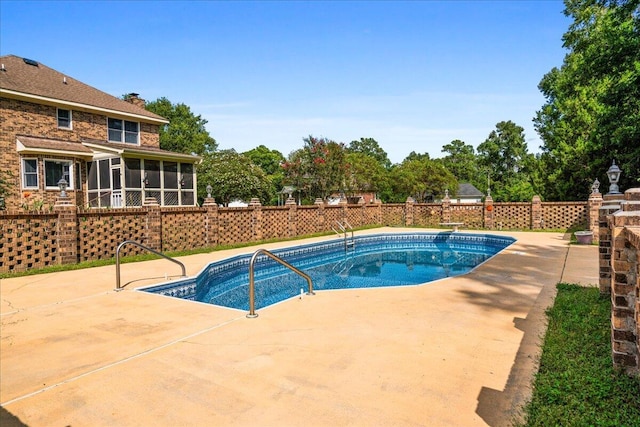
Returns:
(321, 224)
(153, 235)
(211, 222)
(408, 211)
(593, 206)
(256, 218)
(446, 208)
(536, 213)
(293, 216)
(611, 204)
(343, 209)
(488, 215)
(625, 284)
(378, 215)
(66, 231)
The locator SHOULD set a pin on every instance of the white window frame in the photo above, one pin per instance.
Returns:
(70, 181)
(123, 131)
(24, 173)
(70, 127)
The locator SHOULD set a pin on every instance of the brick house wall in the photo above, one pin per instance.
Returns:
(19, 117)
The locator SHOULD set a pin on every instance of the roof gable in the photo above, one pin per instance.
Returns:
(468, 190)
(39, 81)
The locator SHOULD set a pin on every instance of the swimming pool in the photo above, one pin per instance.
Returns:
(376, 260)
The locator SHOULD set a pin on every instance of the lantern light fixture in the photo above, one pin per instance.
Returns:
(613, 174)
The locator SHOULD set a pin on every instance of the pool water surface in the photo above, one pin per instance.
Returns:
(377, 260)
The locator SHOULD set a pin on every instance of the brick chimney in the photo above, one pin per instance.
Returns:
(135, 99)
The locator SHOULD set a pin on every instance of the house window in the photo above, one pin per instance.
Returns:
(54, 170)
(30, 173)
(64, 118)
(123, 131)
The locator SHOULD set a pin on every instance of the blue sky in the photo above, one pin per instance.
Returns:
(412, 75)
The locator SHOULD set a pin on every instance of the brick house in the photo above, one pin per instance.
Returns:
(107, 150)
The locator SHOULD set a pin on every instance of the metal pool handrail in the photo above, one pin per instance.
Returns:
(345, 228)
(132, 242)
(252, 284)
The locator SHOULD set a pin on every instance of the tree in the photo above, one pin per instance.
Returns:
(318, 169)
(365, 174)
(416, 156)
(592, 107)
(424, 180)
(370, 147)
(186, 132)
(461, 161)
(504, 155)
(232, 176)
(270, 161)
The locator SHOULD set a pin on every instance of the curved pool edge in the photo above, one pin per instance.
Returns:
(180, 289)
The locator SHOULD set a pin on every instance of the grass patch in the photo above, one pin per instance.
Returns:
(576, 384)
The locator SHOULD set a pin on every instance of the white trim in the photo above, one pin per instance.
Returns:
(70, 127)
(123, 132)
(80, 106)
(135, 151)
(20, 148)
(22, 174)
(70, 181)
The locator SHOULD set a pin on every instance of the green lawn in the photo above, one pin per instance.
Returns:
(576, 384)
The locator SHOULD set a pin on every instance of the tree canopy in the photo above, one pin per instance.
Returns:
(504, 155)
(186, 132)
(370, 147)
(233, 176)
(592, 107)
(423, 179)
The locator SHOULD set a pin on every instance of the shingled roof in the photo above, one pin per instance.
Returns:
(466, 190)
(29, 79)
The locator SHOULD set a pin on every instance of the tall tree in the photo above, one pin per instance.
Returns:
(504, 155)
(232, 176)
(461, 161)
(370, 147)
(186, 132)
(365, 174)
(424, 180)
(592, 107)
(318, 168)
(271, 163)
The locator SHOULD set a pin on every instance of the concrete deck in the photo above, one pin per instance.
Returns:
(457, 352)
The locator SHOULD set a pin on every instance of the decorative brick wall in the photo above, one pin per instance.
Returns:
(70, 234)
(624, 282)
(27, 241)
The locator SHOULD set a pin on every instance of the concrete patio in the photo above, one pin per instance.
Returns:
(457, 352)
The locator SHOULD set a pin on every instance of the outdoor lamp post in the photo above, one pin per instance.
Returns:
(62, 185)
(613, 174)
(209, 188)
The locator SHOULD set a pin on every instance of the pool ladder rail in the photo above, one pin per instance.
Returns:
(133, 242)
(252, 284)
(345, 228)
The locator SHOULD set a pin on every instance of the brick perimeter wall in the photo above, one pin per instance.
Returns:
(32, 240)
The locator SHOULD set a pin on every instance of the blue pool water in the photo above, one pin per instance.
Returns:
(375, 260)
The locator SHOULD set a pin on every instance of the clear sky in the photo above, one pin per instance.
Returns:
(412, 75)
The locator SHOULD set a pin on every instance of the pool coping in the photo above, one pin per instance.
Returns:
(76, 352)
